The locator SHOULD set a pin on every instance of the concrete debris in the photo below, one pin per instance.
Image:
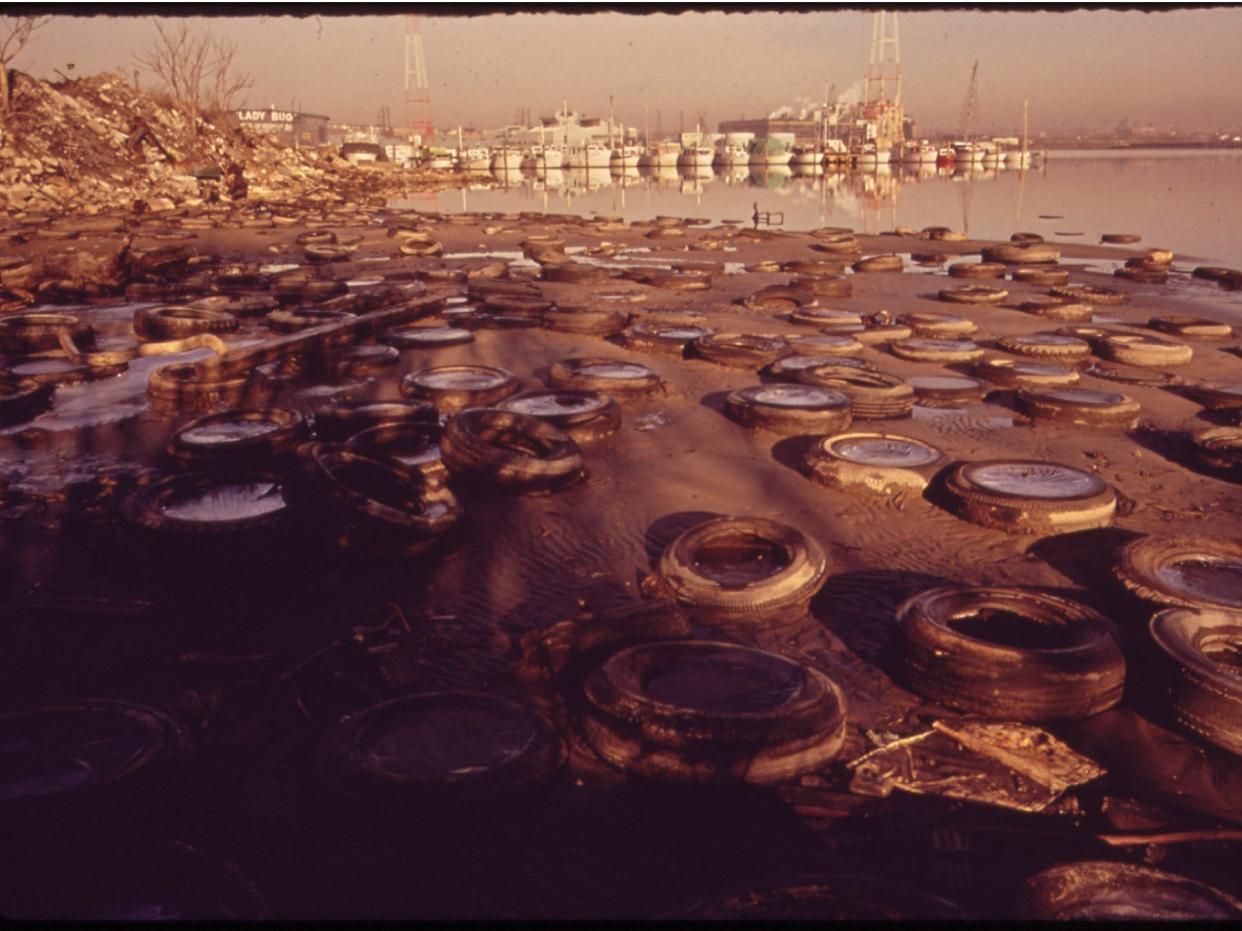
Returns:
(96, 144)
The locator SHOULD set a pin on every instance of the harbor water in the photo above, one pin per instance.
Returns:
(1177, 199)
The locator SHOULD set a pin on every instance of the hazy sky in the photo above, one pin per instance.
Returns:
(1178, 68)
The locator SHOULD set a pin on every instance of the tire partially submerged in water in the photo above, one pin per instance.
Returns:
(1088, 295)
(617, 377)
(790, 410)
(975, 294)
(1202, 648)
(1046, 346)
(1190, 327)
(339, 422)
(180, 321)
(747, 569)
(938, 326)
(664, 338)
(1023, 253)
(585, 416)
(1009, 653)
(435, 748)
(515, 451)
(709, 711)
(453, 388)
(238, 439)
(1190, 571)
(21, 399)
(1100, 890)
(924, 349)
(1027, 496)
(881, 462)
(25, 333)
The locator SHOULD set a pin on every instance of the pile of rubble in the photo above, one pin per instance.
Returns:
(96, 144)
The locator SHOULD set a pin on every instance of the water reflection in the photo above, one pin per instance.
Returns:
(1171, 201)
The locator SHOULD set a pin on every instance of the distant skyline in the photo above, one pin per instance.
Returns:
(1089, 68)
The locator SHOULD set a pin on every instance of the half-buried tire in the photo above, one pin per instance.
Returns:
(514, 451)
(1026, 496)
(791, 410)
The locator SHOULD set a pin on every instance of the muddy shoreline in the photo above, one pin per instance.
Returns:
(85, 620)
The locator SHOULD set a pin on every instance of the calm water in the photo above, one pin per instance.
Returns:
(1181, 200)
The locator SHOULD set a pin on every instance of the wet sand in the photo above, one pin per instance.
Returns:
(528, 562)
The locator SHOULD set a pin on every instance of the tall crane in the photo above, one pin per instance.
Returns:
(417, 94)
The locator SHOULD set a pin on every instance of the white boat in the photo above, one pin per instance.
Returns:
(591, 155)
(624, 157)
(805, 156)
(439, 162)
(506, 158)
(918, 153)
(696, 156)
(870, 156)
(543, 158)
(474, 159)
(1016, 158)
(728, 153)
(968, 153)
(993, 156)
(665, 154)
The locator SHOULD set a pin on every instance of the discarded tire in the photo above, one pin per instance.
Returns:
(290, 321)
(85, 751)
(1088, 295)
(881, 462)
(182, 385)
(744, 568)
(977, 270)
(381, 507)
(432, 748)
(412, 444)
(338, 422)
(873, 395)
(938, 326)
(740, 350)
(787, 368)
(824, 287)
(1192, 572)
(239, 439)
(663, 338)
(1190, 327)
(708, 711)
(1120, 239)
(825, 317)
(454, 387)
(946, 390)
(613, 377)
(825, 344)
(1080, 406)
(976, 294)
(936, 350)
(790, 410)
(1129, 376)
(887, 333)
(577, 273)
(1102, 890)
(1040, 275)
(879, 263)
(1018, 253)
(585, 416)
(514, 451)
(1010, 373)
(1219, 448)
(779, 300)
(1059, 309)
(1025, 496)
(1215, 396)
(180, 321)
(1202, 648)
(195, 509)
(590, 321)
(425, 336)
(1144, 350)
(21, 334)
(1051, 346)
(1009, 653)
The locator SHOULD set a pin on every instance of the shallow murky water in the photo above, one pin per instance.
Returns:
(226, 502)
(722, 682)
(1219, 581)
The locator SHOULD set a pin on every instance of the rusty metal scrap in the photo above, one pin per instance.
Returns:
(1003, 764)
